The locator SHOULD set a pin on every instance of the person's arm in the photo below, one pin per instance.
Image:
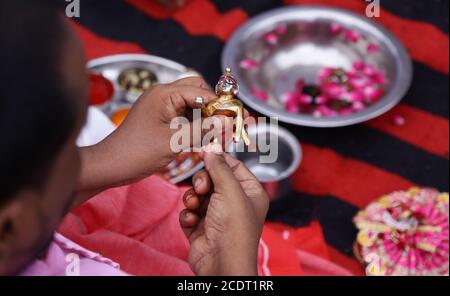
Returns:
(141, 145)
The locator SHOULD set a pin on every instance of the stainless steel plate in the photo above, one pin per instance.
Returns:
(166, 71)
(307, 47)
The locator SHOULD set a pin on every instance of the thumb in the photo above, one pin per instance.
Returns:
(220, 172)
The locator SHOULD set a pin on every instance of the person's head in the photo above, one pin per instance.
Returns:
(43, 98)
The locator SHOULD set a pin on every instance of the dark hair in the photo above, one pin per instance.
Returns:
(36, 113)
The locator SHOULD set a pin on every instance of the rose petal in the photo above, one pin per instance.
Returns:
(292, 107)
(370, 70)
(346, 111)
(356, 96)
(320, 100)
(335, 28)
(372, 48)
(290, 96)
(291, 101)
(305, 99)
(280, 29)
(324, 74)
(248, 64)
(358, 65)
(259, 94)
(373, 94)
(326, 111)
(333, 90)
(271, 38)
(317, 114)
(358, 106)
(299, 85)
(360, 83)
(398, 120)
(379, 78)
(352, 36)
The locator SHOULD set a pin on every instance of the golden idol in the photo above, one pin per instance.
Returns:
(228, 105)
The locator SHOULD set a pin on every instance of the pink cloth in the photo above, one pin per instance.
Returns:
(137, 226)
(65, 257)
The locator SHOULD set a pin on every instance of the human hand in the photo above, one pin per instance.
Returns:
(140, 146)
(223, 219)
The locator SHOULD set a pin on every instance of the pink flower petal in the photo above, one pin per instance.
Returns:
(358, 106)
(291, 102)
(271, 38)
(299, 85)
(372, 48)
(370, 70)
(379, 78)
(280, 29)
(360, 83)
(352, 36)
(320, 100)
(333, 89)
(290, 96)
(346, 111)
(326, 111)
(317, 113)
(335, 28)
(305, 99)
(356, 96)
(292, 107)
(259, 94)
(358, 65)
(248, 64)
(324, 74)
(373, 94)
(398, 120)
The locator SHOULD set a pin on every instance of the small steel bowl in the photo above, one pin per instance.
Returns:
(306, 47)
(289, 153)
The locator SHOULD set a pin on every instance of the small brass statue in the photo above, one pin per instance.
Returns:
(228, 105)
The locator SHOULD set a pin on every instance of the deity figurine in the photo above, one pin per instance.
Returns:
(227, 104)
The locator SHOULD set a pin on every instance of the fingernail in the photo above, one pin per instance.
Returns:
(188, 195)
(197, 183)
(214, 148)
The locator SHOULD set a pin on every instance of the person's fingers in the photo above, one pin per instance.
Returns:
(194, 232)
(251, 186)
(220, 172)
(202, 182)
(191, 200)
(182, 97)
(197, 203)
(193, 81)
(203, 130)
(217, 127)
(204, 203)
(240, 171)
(189, 93)
(188, 221)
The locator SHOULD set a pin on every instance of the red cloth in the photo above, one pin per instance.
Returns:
(137, 226)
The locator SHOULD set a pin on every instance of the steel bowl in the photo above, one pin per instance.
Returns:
(306, 47)
(166, 71)
(289, 153)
